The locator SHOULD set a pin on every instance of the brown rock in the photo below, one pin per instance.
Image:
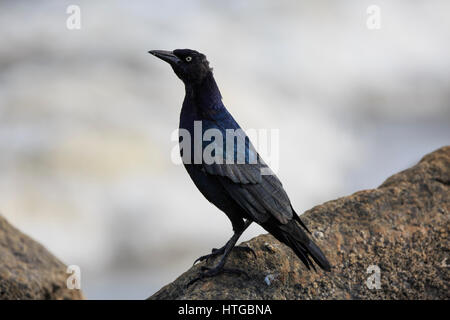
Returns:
(401, 227)
(28, 270)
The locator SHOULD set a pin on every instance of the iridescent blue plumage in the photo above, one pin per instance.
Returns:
(240, 190)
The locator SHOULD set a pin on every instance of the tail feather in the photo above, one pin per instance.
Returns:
(293, 236)
(300, 252)
(318, 256)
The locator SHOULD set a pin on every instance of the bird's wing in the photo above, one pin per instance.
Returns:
(261, 195)
(262, 200)
(239, 162)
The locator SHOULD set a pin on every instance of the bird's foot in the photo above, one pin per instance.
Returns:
(246, 250)
(215, 252)
(208, 272)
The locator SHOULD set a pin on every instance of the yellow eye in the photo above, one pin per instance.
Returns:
(188, 59)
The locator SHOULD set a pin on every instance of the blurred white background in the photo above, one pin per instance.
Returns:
(86, 117)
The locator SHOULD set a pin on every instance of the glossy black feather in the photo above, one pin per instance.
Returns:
(239, 189)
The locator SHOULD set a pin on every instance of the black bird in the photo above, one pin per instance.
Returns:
(239, 189)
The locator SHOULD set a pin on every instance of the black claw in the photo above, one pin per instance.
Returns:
(214, 252)
(208, 272)
(193, 281)
(236, 271)
(246, 249)
(201, 258)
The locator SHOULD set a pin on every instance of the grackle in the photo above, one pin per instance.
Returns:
(242, 190)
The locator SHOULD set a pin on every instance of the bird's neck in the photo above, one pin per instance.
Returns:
(205, 94)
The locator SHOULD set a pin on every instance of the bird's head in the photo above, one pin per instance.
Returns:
(189, 65)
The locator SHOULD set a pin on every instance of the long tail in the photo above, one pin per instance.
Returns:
(293, 236)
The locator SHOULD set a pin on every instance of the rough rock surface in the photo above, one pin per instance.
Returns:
(402, 227)
(28, 270)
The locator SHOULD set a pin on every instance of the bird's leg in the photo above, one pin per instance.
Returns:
(215, 252)
(219, 268)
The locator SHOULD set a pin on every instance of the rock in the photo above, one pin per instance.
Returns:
(28, 270)
(401, 227)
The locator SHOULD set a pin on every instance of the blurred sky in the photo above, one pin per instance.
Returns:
(86, 117)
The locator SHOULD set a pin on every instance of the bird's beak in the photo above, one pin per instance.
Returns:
(167, 56)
